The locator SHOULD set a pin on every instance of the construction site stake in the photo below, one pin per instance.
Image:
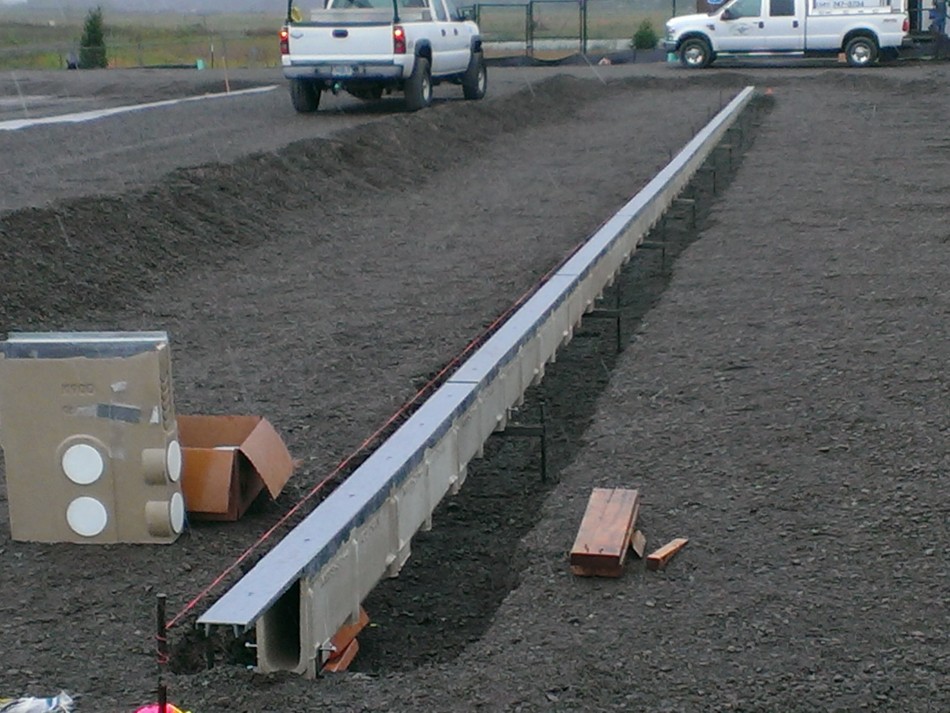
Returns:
(539, 430)
(162, 645)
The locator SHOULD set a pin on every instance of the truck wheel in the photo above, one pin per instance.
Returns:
(305, 95)
(419, 86)
(861, 52)
(695, 53)
(475, 79)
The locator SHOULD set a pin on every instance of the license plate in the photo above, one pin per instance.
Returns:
(341, 70)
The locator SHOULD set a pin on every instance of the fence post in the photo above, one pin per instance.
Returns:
(583, 28)
(529, 28)
(224, 58)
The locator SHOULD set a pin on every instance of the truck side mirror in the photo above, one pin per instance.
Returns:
(727, 14)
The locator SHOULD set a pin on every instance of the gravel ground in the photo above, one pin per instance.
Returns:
(782, 401)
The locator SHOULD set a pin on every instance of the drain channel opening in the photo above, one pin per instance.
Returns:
(280, 630)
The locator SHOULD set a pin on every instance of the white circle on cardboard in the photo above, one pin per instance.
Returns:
(83, 464)
(87, 516)
(176, 512)
(173, 461)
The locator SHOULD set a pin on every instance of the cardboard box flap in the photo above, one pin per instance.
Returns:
(215, 431)
(212, 491)
(266, 451)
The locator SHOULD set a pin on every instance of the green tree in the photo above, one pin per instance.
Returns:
(92, 46)
(645, 38)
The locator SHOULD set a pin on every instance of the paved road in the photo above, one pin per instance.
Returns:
(130, 150)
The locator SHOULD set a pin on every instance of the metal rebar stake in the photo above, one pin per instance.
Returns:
(614, 314)
(162, 648)
(539, 430)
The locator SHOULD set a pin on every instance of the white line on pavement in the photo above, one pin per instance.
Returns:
(14, 124)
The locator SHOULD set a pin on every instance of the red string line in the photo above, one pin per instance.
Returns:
(162, 650)
(477, 341)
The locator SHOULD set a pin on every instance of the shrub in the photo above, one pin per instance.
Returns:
(645, 38)
(92, 46)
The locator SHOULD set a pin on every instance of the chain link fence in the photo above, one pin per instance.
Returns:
(556, 27)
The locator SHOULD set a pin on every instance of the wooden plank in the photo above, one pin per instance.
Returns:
(659, 558)
(345, 644)
(347, 633)
(603, 538)
(343, 659)
(638, 543)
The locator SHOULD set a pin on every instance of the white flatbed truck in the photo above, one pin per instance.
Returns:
(863, 30)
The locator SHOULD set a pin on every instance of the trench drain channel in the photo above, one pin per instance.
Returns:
(539, 376)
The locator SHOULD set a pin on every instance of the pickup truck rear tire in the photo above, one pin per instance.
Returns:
(861, 51)
(475, 79)
(419, 86)
(305, 95)
(695, 53)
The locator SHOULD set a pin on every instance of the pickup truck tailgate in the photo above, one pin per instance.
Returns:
(337, 34)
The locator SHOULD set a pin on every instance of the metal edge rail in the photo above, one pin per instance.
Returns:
(314, 580)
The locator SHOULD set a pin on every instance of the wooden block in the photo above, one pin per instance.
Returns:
(638, 543)
(347, 633)
(659, 558)
(603, 538)
(342, 659)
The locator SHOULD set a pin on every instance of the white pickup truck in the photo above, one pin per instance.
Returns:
(864, 30)
(368, 47)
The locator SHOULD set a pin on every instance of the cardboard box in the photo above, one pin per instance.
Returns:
(227, 461)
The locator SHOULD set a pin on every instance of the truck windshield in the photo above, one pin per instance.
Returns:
(742, 8)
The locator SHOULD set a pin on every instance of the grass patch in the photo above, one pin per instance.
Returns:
(132, 40)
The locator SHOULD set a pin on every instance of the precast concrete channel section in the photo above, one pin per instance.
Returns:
(313, 582)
